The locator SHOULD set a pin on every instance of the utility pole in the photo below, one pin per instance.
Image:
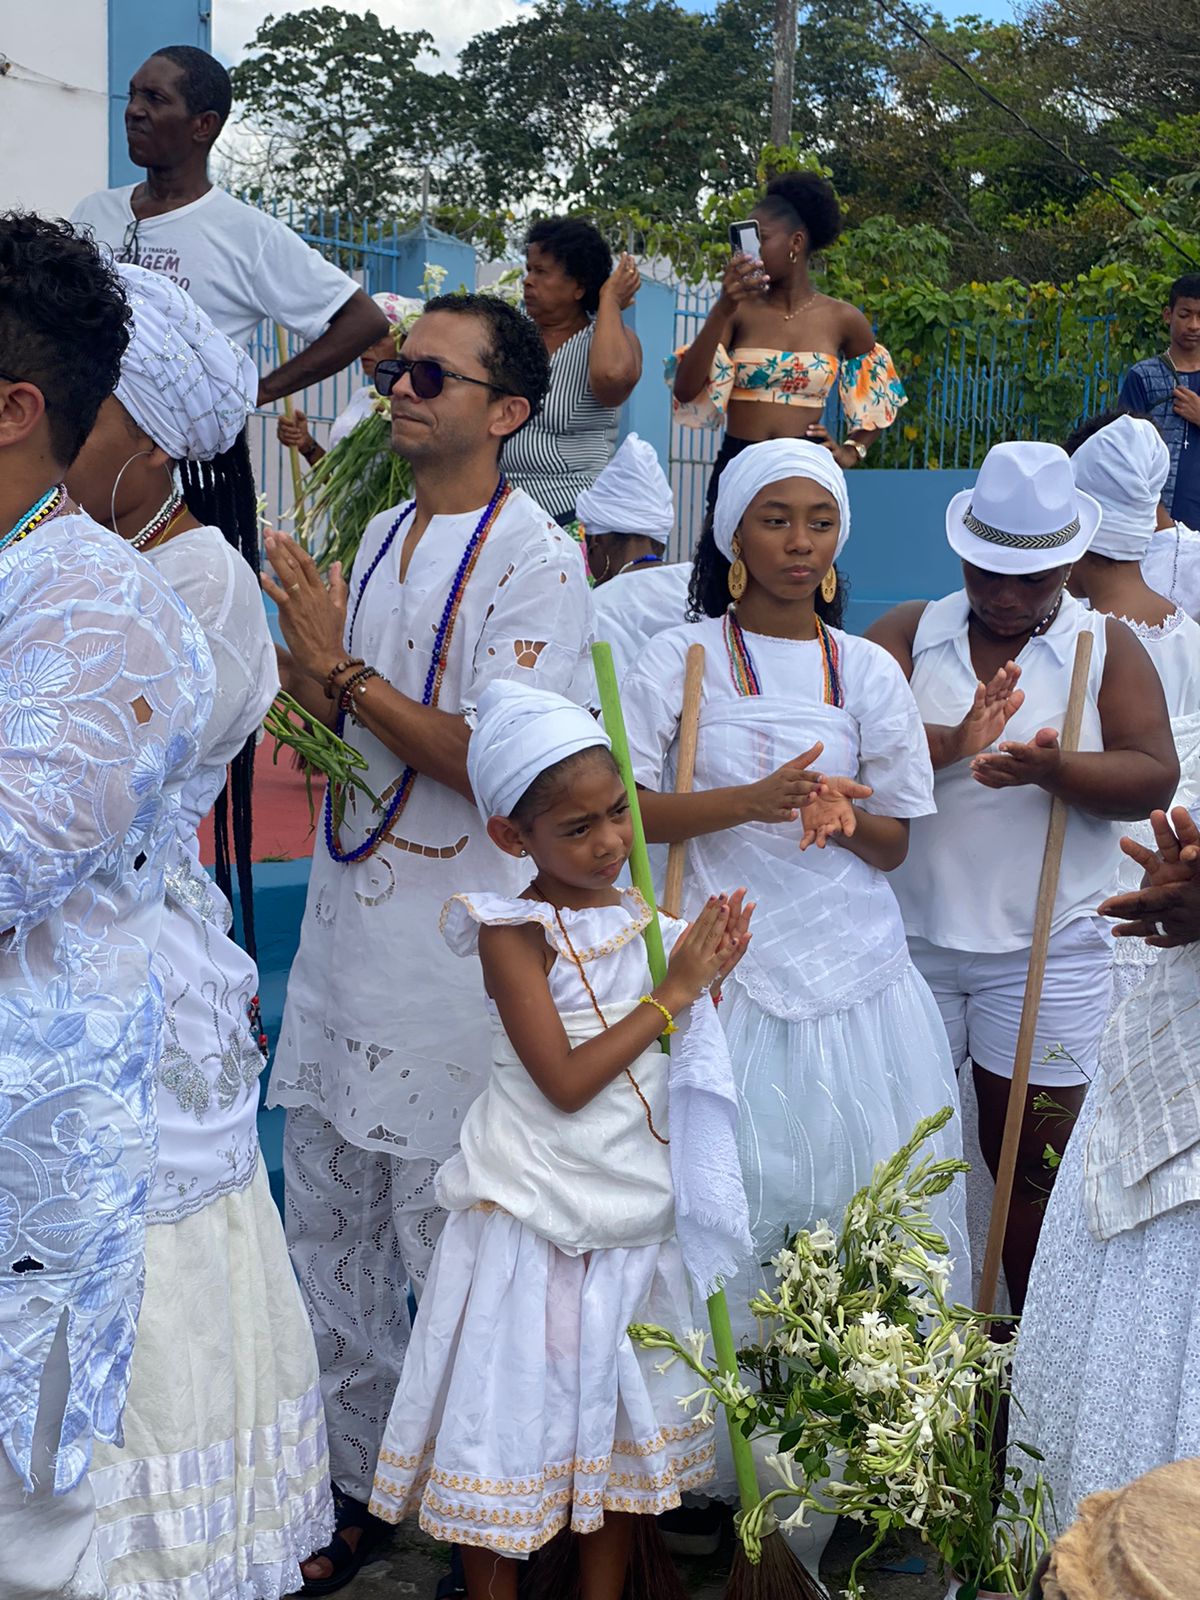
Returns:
(783, 81)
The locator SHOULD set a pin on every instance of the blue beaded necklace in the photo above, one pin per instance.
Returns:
(48, 506)
(433, 678)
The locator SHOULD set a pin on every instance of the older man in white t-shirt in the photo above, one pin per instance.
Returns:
(237, 262)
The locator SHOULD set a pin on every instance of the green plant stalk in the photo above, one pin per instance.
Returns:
(643, 880)
(320, 749)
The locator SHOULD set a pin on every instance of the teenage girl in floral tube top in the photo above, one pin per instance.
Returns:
(772, 348)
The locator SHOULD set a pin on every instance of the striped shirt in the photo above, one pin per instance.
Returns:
(557, 456)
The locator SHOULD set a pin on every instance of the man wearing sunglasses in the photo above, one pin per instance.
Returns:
(385, 1038)
(237, 262)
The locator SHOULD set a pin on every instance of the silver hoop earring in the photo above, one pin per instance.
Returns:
(112, 502)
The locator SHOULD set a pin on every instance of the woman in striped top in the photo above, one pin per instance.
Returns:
(576, 299)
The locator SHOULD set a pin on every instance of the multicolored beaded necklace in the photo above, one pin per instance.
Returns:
(437, 666)
(51, 503)
(172, 507)
(745, 677)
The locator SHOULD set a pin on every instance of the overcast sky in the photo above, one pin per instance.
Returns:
(451, 22)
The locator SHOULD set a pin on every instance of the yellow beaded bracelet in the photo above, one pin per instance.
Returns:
(649, 1000)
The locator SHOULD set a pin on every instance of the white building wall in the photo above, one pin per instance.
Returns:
(53, 103)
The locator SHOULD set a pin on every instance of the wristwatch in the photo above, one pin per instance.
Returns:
(858, 447)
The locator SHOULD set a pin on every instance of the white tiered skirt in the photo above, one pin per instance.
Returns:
(524, 1404)
(222, 1487)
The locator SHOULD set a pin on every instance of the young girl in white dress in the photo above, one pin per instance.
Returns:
(523, 1403)
(837, 1044)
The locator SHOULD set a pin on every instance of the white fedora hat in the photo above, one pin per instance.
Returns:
(1025, 513)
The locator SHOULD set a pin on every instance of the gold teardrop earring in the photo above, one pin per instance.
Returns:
(737, 572)
(829, 586)
(791, 255)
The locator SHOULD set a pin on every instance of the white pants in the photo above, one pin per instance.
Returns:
(361, 1228)
(47, 1541)
(980, 996)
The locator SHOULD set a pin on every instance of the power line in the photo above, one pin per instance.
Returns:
(906, 22)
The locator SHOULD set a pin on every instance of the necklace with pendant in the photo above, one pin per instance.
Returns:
(790, 316)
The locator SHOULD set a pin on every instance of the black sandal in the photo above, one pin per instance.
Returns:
(454, 1583)
(347, 1562)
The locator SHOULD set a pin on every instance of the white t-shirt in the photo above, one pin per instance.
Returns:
(238, 263)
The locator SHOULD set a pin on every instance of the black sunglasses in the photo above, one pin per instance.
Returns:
(427, 377)
(131, 249)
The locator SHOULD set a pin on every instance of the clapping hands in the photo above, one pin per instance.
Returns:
(1165, 911)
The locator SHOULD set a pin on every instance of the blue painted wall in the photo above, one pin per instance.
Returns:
(898, 548)
(646, 412)
(136, 29)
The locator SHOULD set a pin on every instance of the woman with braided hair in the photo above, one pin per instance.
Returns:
(222, 1484)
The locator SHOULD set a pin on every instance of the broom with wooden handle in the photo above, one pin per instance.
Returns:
(778, 1575)
(1056, 831)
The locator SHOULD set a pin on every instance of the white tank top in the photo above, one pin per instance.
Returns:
(971, 878)
(1174, 648)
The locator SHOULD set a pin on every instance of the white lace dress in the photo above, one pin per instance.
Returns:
(221, 1488)
(523, 1402)
(1107, 1372)
(837, 1044)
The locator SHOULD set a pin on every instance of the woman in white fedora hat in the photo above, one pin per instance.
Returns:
(968, 888)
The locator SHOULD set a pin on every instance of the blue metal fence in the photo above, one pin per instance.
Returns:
(379, 257)
(991, 383)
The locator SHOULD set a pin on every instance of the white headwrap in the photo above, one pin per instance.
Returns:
(1124, 466)
(400, 309)
(182, 381)
(631, 495)
(520, 732)
(762, 464)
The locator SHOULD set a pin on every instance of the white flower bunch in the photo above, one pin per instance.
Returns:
(885, 1400)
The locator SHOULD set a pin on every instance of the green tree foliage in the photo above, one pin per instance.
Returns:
(340, 112)
(653, 118)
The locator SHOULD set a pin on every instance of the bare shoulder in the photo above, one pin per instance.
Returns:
(901, 622)
(857, 334)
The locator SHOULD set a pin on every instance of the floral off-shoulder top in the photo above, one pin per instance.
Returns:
(868, 386)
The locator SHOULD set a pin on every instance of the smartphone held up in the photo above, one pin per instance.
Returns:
(745, 239)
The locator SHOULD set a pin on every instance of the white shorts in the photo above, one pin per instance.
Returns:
(980, 995)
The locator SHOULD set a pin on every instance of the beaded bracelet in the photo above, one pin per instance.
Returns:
(649, 1000)
(331, 692)
(355, 690)
(352, 683)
